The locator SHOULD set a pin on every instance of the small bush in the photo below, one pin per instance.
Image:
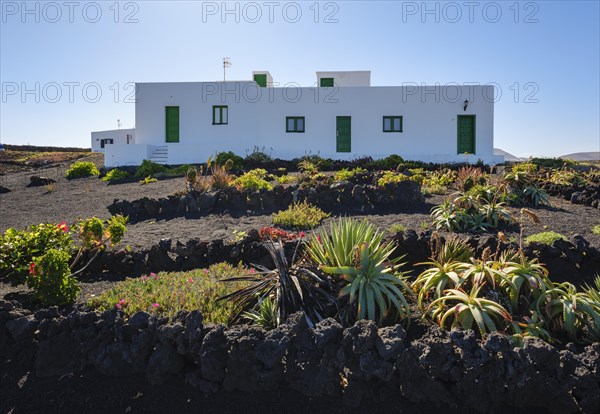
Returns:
(168, 293)
(545, 237)
(397, 228)
(236, 162)
(115, 175)
(259, 155)
(300, 216)
(552, 162)
(253, 180)
(390, 177)
(149, 168)
(596, 229)
(50, 278)
(390, 162)
(148, 180)
(345, 174)
(82, 169)
(286, 179)
(179, 170)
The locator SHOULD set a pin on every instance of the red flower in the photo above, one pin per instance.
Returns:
(63, 226)
(32, 269)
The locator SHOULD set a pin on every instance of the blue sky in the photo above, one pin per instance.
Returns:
(79, 60)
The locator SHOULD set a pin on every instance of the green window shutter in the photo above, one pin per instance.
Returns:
(294, 124)
(326, 82)
(220, 115)
(172, 123)
(261, 79)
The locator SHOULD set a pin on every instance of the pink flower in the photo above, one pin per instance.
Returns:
(302, 235)
(144, 278)
(155, 305)
(154, 276)
(32, 269)
(252, 271)
(205, 271)
(191, 280)
(118, 305)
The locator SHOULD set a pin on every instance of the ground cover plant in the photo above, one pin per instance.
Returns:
(546, 237)
(115, 175)
(300, 216)
(167, 293)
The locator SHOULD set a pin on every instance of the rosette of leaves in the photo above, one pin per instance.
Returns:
(463, 310)
(294, 288)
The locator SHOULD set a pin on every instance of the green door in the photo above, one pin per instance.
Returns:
(342, 131)
(261, 79)
(466, 134)
(172, 123)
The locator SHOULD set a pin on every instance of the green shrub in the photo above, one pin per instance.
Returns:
(237, 162)
(253, 180)
(259, 155)
(300, 216)
(51, 280)
(115, 175)
(397, 228)
(596, 229)
(345, 174)
(551, 162)
(545, 237)
(82, 169)
(179, 170)
(286, 179)
(467, 213)
(390, 177)
(168, 293)
(18, 248)
(148, 168)
(390, 162)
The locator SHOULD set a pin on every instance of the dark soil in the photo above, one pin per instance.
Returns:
(22, 392)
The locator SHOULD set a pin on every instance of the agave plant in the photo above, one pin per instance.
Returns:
(535, 195)
(437, 278)
(294, 288)
(452, 249)
(495, 213)
(338, 246)
(533, 326)
(447, 216)
(481, 271)
(465, 309)
(265, 315)
(568, 309)
(373, 287)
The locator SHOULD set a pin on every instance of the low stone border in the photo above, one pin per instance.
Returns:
(352, 197)
(361, 362)
(588, 195)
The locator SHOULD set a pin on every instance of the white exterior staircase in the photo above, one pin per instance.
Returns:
(160, 155)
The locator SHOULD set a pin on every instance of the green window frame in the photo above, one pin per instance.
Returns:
(294, 124)
(220, 115)
(392, 123)
(326, 82)
(261, 79)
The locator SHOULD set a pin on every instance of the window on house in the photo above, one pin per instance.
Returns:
(220, 115)
(106, 141)
(261, 79)
(294, 124)
(392, 124)
(326, 82)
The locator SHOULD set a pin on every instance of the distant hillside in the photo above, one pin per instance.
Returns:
(582, 156)
(507, 156)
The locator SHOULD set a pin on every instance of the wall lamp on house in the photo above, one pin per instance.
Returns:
(466, 103)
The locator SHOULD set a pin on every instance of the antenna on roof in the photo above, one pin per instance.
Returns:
(226, 64)
(118, 124)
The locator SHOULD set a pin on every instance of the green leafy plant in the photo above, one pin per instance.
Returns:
(286, 179)
(397, 228)
(294, 287)
(258, 155)
(466, 309)
(526, 280)
(167, 293)
(51, 279)
(82, 169)
(253, 180)
(235, 161)
(596, 229)
(265, 315)
(390, 177)
(374, 287)
(438, 277)
(115, 175)
(150, 168)
(469, 176)
(300, 215)
(148, 180)
(345, 174)
(545, 237)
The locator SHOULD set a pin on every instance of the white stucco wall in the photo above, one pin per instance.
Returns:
(429, 120)
(119, 136)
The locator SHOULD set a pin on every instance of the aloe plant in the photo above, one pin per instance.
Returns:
(525, 273)
(465, 309)
(265, 315)
(437, 278)
(373, 288)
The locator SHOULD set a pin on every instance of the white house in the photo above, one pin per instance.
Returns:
(101, 139)
(344, 117)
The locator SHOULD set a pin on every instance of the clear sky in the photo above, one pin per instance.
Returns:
(67, 68)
